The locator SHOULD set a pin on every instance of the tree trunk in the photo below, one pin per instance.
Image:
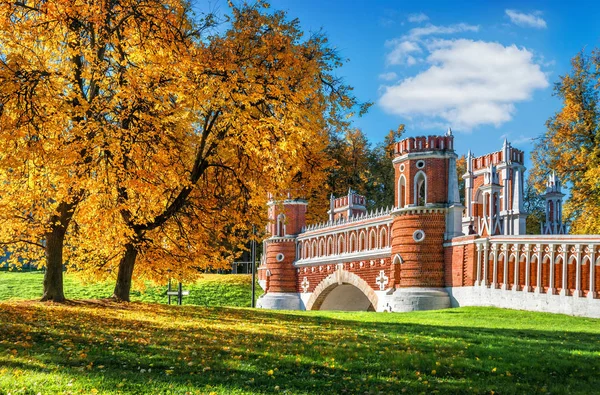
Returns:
(125, 274)
(55, 239)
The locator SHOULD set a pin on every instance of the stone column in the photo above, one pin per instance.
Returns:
(478, 249)
(578, 272)
(485, 263)
(592, 292)
(505, 268)
(538, 285)
(551, 289)
(495, 272)
(563, 291)
(517, 262)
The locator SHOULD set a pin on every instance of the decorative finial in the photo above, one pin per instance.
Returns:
(449, 132)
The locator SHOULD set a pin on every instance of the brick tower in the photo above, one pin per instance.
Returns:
(286, 220)
(427, 212)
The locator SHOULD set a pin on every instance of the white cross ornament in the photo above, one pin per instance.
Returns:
(305, 284)
(382, 280)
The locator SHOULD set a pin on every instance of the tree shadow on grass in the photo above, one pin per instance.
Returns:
(257, 351)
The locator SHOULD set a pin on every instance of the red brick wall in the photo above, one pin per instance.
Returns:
(368, 272)
(423, 262)
(460, 263)
(283, 274)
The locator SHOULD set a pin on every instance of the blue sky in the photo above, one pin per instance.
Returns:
(484, 68)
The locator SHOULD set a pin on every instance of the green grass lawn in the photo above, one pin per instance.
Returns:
(211, 290)
(104, 347)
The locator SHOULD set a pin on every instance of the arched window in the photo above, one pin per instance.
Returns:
(299, 251)
(306, 251)
(420, 189)
(362, 241)
(551, 211)
(321, 247)
(341, 245)
(314, 249)
(280, 225)
(383, 238)
(402, 192)
(329, 245)
(352, 246)
(372, 239)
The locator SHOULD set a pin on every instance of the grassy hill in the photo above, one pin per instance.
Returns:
(109, 348)
(211, 290)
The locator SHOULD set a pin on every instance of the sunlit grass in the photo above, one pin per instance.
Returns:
(211, 290)
(145, 348)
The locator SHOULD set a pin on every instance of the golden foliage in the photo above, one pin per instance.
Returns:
(571, 144)
(156, 137)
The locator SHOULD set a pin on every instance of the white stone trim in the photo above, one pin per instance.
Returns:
(345, 257)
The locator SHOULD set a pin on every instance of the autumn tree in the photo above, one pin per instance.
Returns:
(571, 144)
(534, 206)
(262, 99)
(71, 74)
(381, 180)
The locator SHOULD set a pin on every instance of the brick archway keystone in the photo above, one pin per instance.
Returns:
(336, 278)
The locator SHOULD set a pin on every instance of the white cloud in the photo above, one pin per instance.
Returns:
(429, 30)
(469, 83)
(520, 140)
(391, 76)
(417, 18)
(526, 20)
(401, 52)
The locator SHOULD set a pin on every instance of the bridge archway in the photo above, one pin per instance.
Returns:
(345, 291)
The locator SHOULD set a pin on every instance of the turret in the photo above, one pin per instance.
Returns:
(494, 193)
(347, 206)
(287, 219)
(428, 211)
(553, 198)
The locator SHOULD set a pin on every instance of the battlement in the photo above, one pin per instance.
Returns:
(507, 155)
(425, 144)
(352, 199)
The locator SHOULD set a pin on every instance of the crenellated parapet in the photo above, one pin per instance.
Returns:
(494, 193)
(424, 144)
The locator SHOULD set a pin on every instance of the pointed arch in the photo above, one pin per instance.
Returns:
(420, 189)
(401, 191)
(522, 270)
(533, 266)
(314, 249)
(321, 247)
(585, 275)
(383, 239)
(372, 239)
(341, 244)
(558, 272)
(329, 245)
(546, 273)
(362, 240)
(352, 246)
(299, 251)
(397, 260)
(281, 225)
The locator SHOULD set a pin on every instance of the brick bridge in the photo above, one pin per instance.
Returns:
(429, 251)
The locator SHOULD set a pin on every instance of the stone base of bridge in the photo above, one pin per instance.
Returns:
(417, 299)
(280, 301)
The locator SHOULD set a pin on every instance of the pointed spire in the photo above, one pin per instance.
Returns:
(517, 202)
(449, 132)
